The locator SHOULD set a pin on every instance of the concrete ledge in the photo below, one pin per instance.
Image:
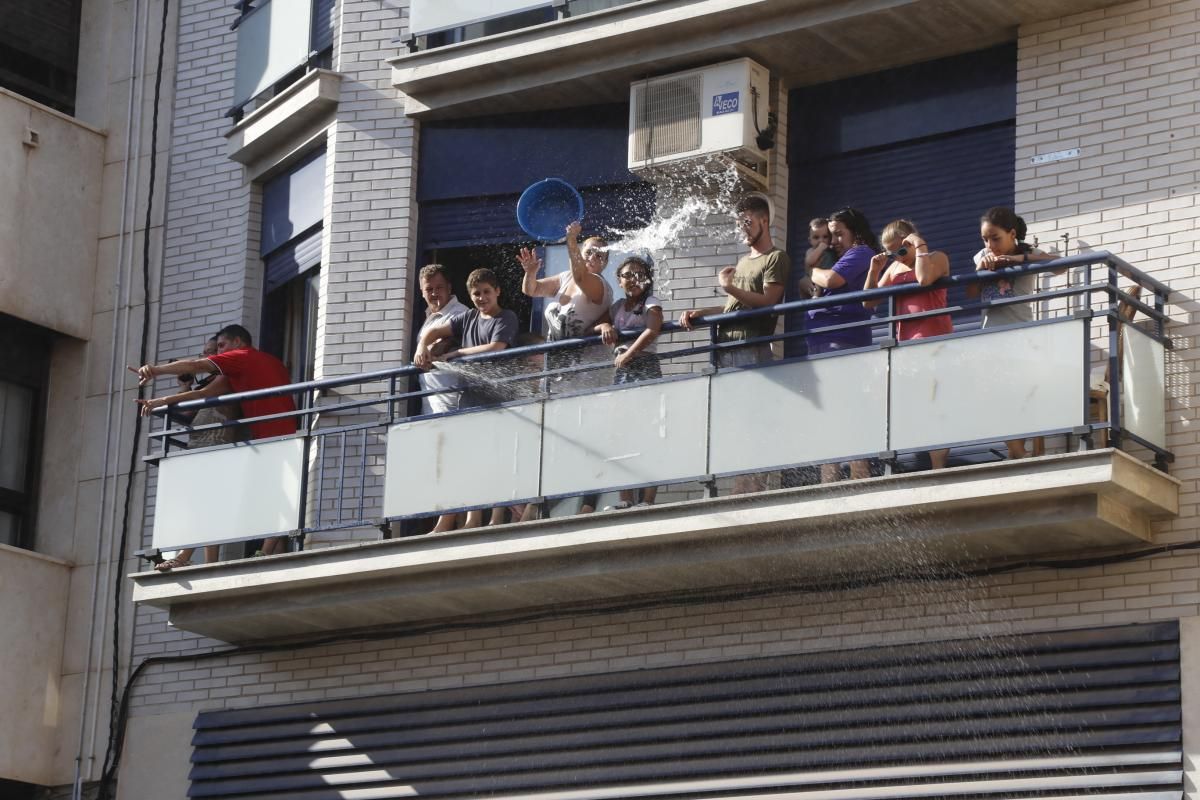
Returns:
(1065, 504)
(306, 105)
(594, 57)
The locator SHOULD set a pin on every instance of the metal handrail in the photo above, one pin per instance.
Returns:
(1079, 260)
(335, 445)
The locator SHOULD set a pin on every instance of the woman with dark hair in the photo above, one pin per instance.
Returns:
(1003, 234)
(638, 310)
(636, 360)
(855, 245)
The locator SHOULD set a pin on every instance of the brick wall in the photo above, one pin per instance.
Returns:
(1120, 84)
(205, 280)
(1147, 219)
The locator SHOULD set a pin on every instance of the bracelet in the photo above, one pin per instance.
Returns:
(923, 255)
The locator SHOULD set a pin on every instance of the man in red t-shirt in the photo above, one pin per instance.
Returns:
(239, 368)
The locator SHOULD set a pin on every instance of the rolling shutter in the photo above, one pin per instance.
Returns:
(1089, 712)
(322, 25)
(942, 183)
(933, 142)
(493, 220)
(297, 256)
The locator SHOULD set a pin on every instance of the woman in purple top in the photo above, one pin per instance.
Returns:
(855, 245)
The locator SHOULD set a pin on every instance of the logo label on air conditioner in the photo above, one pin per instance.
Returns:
(725, 103)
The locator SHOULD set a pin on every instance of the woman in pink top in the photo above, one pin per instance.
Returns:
(917, 264)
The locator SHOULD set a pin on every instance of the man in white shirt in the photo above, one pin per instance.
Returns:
(441, 306)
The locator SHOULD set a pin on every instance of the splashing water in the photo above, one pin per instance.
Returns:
(694, 197)
(493, 381)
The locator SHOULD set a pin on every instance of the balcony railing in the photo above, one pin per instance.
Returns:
(441, 25)
(887, 402)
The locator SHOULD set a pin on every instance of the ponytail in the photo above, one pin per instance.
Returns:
(1007, 219)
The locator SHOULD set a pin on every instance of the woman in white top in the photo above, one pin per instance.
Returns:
(580, 294)
(580, 297)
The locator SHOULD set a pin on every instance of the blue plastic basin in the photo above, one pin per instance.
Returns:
(547, 207)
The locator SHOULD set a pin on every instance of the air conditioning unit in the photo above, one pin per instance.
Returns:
(719, 109)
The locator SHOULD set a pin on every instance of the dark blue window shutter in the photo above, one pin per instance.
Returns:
(297, 256)
(293, 202)
(493, 220)
(322, 25)
(1095, 709)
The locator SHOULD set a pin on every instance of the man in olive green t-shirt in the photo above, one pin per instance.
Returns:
(758, 280)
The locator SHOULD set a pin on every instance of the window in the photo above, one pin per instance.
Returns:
(289, 328)
(292, 234)
(24, 363)
(278, 42)
(437, 23)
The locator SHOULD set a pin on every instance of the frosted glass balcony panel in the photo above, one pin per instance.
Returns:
(803, 412)
(643, 435)
(991, 386)
(192, 507)
(473, 459)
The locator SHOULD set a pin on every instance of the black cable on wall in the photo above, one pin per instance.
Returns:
(116, 725)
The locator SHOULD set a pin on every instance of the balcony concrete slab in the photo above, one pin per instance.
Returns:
(917, 523)
(593, 58)
(285, 123)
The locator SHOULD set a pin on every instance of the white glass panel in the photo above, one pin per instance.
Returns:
(479, 458)
(428, 16)
(801, 412)
(1143, 386)
(235, 493)
(988, 387)
(16, 413)
(272, 41)
(632, 437)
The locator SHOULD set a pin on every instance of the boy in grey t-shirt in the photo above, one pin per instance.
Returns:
(486, 328)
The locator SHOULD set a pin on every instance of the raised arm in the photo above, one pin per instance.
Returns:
(877, 276)
(932, 265)
(591, 284)
(531, 284)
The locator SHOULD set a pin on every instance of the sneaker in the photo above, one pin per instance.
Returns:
(621, 506)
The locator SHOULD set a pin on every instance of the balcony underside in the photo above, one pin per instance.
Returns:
(1062, 504)
(593, 58)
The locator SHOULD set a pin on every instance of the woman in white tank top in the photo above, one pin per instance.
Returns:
(580, 294)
